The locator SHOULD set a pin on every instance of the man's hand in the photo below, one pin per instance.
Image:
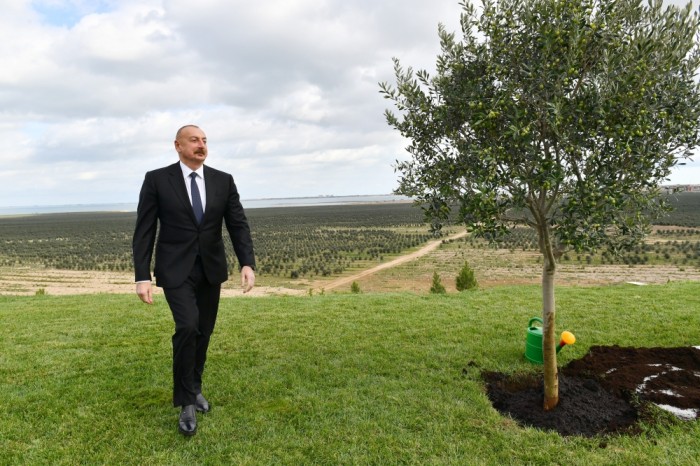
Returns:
(247, 278)
(145, 292)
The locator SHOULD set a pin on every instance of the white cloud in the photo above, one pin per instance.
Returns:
(92, 92)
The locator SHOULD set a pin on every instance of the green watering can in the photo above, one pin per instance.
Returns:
(533, 341)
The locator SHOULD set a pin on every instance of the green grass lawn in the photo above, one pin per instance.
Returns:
(332, 379)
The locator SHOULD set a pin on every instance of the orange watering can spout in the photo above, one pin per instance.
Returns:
(567, 338)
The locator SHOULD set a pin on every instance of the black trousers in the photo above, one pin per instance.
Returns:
(194, 305)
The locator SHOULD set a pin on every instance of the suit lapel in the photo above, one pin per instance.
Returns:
(210, 189)
(178, 183)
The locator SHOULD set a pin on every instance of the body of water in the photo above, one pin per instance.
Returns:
(247, 203)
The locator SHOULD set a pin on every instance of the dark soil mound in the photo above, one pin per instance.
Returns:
(604, 391)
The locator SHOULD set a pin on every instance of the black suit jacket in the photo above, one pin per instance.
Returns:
(164, 199)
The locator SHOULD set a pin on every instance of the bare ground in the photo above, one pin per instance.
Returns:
(497, 267)
(33, 280)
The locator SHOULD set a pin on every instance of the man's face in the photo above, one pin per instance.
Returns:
(191, 146)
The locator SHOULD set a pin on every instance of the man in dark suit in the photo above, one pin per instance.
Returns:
(191, 201)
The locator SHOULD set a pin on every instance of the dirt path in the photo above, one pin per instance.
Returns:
(428, 248)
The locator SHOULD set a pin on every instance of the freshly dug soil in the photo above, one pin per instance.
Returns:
(605, 391)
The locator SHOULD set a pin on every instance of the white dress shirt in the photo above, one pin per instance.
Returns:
(186, 172)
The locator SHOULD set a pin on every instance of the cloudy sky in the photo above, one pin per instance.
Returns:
(92, 92)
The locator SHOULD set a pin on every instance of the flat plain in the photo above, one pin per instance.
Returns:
(320, 249)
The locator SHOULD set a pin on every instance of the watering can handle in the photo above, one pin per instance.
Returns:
(534, 319)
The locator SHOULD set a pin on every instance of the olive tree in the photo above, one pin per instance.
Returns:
(564, 115)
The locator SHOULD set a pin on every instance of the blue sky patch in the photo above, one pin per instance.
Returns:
(68, 13)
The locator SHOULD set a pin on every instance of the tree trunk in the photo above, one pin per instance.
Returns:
(551, 377)
(539, 209)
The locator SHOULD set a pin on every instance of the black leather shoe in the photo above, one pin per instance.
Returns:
(188, 421)
(201, 404)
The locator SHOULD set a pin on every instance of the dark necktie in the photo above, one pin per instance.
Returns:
(196, 198)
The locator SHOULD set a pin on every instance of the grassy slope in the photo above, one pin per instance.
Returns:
(335, 379)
